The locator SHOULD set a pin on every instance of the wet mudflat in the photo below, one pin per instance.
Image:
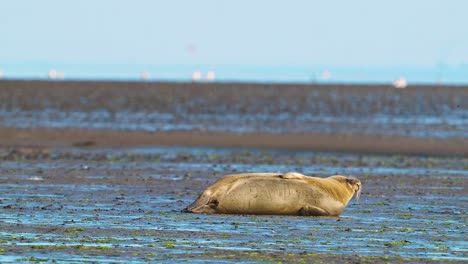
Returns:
(421, 111)
(123, 205)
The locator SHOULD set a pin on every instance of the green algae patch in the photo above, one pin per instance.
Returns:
(74, 230)
(397, 243)
(169, 245)
(381, 204)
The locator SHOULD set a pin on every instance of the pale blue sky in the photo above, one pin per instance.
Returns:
(365, 32)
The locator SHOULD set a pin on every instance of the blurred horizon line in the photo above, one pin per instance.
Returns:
(265, 73)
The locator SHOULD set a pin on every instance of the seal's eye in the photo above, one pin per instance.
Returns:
(353, 181)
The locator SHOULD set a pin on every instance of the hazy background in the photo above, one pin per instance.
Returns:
(278, 41)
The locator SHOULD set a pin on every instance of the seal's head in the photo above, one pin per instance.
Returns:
(352, 183)
(355, 183)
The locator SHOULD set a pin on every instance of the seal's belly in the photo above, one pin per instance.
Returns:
(268, 196)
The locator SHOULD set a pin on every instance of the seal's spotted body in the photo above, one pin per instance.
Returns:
(277, 194)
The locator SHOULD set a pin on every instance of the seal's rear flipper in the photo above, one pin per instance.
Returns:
(204, 204)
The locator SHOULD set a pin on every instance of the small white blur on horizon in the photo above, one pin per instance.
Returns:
(60, 75)
(210, 76)
(1, 74)
(326, 75)
(53, 74)
(196, 76)
(145, 75)
(400, 83)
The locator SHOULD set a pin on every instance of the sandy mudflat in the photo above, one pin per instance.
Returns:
(96, 138)
(364, 118)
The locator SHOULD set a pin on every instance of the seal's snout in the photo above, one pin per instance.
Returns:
(356, 185)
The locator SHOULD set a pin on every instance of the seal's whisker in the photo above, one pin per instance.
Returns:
(358, 194)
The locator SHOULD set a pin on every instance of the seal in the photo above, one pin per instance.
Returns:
(291, 193)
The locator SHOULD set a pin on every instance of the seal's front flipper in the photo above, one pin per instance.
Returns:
(205, 204)
(312, 211)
